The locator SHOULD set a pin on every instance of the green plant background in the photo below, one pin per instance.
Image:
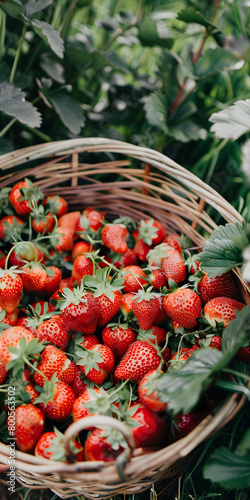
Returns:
(151, 73)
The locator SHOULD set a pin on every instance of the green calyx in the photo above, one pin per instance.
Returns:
(146, 295)
(147, 232)
(100, 283)
(158, 253)
(75, 296)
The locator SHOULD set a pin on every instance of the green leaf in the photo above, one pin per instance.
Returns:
(193, 16)
(150, 35)
(229, 469)
(232, 122)
(52, 67)
(156, 111)
(69, 110)
(13, 8)
(47, 32)
(220, 253)
(34, 6)
(237, 334)
(13, 103)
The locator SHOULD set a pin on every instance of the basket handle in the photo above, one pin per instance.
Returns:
(101, 421)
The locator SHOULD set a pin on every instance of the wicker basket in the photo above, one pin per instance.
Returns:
(138, 182)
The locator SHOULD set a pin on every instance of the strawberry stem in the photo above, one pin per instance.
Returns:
(238, 374)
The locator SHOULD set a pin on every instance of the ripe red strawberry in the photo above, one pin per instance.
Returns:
(118, 337)
(50, 446)
(90, 219)
(57, 204)
(146, 308)
(179, 357)
(151, 231)
(221, 309)
(244, 354)
(53, 280)
(104, 446)
(128, 258)
(184, 424)
(162, 317)
(42, 222)
(52, 330)
(60, 406)
(82, 266)
(54, 361)
(96, 363)
(216, 342)
(114, 236)
(65, 239)
(30, 387)
(11, 338)
(183, 306)
(173, 267)
(3, 372)
(79, 385)
(79, 409)
(68, 221)
(140, 358)
(34, 277)
(134, 278)
(126, 303)
(11, 287)
(157, 279)
(10, 318)
(219, 286)
(141, 250)
(80, 310)
(29, 425)
(24, 251)
(80, 248)
(21, 207)
(152, 428)
(10, 226)
(155, 335)
(147, 391)
(172, 241)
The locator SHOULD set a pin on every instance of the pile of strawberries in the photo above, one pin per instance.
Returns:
(92, 312)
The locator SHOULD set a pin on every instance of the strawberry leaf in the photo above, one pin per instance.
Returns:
(222, 251)
(229, 469)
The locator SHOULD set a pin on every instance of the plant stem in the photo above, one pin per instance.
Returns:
(2, 33)
(14, 67)
(65, 24)
(238, 374)
(7, 127)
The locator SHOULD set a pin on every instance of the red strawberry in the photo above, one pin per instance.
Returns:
(3, 372)
(221, 309)
(53, 280)
(114, 236)
(216, 342)
(96, 363)
(10, 318)
(53, 360)
(219, 286)
(11, 287)
(80, 248)
(82, 266)
(244, 354)
(34, 277)
(134, 278)
(155, 334)
(162, 317)
(157, 279)
(172, 241)
(68, 221)
(79, 409)
(29, 425)
(80, 310)
(141, 250)
(79, 385)
(50, 446)
(65, 238)
(10, 226)
(173, 267)
(140, 358)
(52, 331)
(152, 428)
(57, 204)
(145, 308)
(183, 306)
(90, 220)
(184, 424)
(30, 387)
(178, 358)
(128, 258)
(126, 303)
(60, 406)
(118, 337)
(147, 391)
(24, 251)
(104, 446)
(151, 231)
(11, 338)
(21, 207)
(42, 222)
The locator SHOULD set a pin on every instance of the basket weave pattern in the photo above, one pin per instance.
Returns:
(163, 190)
